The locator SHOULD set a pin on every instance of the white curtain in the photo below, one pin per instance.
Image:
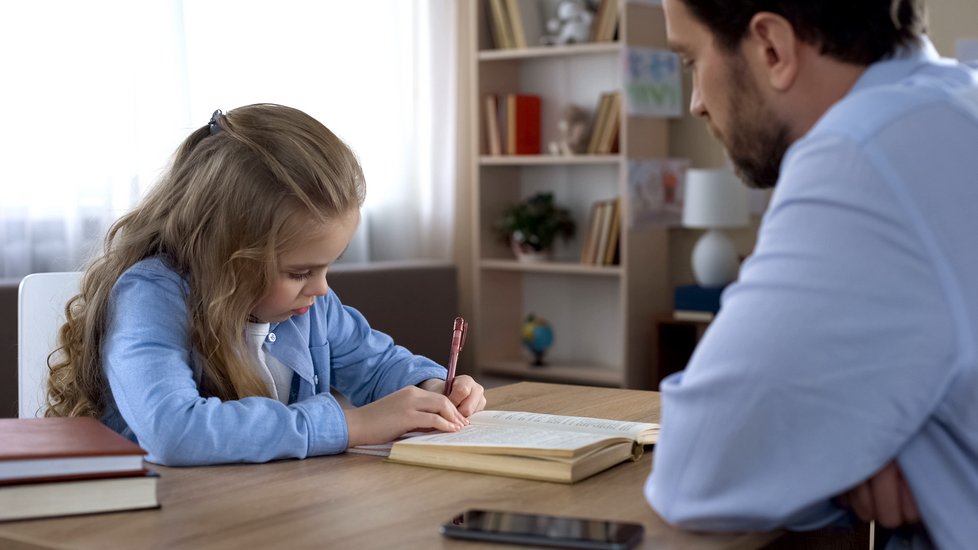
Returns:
(98, 94)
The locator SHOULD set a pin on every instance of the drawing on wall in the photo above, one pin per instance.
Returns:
(653, 83)
(655, 191)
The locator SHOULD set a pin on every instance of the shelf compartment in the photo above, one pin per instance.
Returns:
(582, 311)
(575, 187)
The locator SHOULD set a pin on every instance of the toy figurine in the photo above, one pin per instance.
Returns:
(570, 25)
(573, 131)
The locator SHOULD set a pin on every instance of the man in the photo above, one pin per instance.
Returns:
(842, 370)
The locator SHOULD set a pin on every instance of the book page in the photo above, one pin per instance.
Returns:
(383, 449)
(500, 438)
(643, 432)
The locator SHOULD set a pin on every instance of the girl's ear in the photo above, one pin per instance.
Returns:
(772, 47)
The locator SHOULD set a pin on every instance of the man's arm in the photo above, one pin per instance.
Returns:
(829, 353)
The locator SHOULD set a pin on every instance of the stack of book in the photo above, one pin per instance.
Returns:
(605, 24)
(513, 124)
(696, 303)
(516, 23)
(601, 242)
(69, 466)
(605, 125)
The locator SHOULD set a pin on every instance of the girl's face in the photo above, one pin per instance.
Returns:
(302, 275)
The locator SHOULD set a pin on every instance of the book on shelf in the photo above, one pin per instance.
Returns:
(590, 235)
(33, 449)
(609, 131)
(529, 445)
(528, 22)
(605, 22)
(696, 303)
(603, 234)
(493, 136)
(523, 124)
(599, 120)
(516, 23)
(69, 497)
(697, 298)
(500, 25)
(614, 234)
(606, 124)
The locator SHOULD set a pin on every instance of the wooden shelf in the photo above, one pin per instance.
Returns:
(547, 160)
(558, 372)
(602, 315)
(550, 51)
(569, 268)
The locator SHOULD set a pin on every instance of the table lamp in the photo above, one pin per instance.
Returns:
(714, 199)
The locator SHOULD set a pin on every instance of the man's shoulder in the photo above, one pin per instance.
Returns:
(863, 115)
(865, 112)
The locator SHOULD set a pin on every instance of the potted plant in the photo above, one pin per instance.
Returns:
(532, 226)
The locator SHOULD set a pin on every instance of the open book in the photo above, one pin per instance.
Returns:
(529, 445)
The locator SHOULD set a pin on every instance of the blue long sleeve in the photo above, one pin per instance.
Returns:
(155, 398)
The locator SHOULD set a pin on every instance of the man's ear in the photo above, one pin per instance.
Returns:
(772, 46)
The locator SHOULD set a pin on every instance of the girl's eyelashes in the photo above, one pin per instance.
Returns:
(300, 276)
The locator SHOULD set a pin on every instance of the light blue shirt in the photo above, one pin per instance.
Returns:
(850, 338)
(153, 376)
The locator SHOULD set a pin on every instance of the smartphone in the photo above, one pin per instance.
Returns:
(543, 530)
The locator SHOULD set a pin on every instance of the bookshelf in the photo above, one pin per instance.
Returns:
(603, 316)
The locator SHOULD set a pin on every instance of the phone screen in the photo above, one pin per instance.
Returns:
(567, 532)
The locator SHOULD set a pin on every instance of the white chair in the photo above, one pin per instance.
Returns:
(41, 305)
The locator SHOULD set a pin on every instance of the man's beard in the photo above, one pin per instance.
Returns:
(756, 139)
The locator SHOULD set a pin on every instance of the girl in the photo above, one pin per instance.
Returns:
(206, 332)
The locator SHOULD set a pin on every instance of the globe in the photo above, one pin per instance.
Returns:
(537, 337)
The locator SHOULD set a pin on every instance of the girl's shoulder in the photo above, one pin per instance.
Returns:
(152, 270)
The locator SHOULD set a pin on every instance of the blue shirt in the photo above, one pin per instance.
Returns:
(153, 377)
(850, 337)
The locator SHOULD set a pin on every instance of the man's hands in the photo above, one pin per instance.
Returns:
(413, 408)
(884, 498)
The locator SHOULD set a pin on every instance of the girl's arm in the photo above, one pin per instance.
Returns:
(148, 365)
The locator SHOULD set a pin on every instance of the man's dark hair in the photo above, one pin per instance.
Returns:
(855, 31)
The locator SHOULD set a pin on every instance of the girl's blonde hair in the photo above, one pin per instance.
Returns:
(238, 192)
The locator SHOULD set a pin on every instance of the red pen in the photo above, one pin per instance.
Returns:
(458, 340)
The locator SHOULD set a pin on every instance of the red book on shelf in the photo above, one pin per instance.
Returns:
(523, 124)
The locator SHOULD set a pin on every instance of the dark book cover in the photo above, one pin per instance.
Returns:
(697, 298)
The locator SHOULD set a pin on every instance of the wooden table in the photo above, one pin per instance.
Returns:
(357, 501)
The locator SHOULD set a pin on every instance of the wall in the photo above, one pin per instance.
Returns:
(949, 20)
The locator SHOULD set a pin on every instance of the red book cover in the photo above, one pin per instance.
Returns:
(523, 113)
(33, 449)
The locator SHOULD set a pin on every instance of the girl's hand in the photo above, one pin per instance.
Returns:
(467, 394)
(405, 410)
(885, 498)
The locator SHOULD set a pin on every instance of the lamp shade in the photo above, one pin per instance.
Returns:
(714, 198)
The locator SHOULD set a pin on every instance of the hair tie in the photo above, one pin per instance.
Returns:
(213, 125)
